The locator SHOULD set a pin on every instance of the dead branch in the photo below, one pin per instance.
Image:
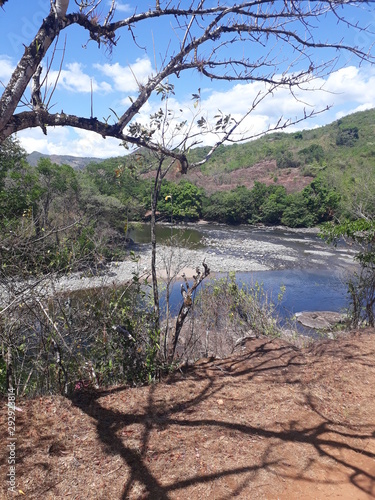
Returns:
(187, 295)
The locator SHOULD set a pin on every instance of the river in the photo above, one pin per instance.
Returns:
(314, 274)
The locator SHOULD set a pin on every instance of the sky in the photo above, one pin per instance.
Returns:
(114, 78)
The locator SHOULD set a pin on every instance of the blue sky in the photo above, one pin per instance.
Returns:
(114, 77)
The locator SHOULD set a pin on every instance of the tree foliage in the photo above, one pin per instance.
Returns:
(272, 205)
(347, 136)
(361, 287)
(182, 201)
(51, 219)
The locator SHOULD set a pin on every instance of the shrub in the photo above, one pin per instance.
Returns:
(61, 343)
(287, 160)
(361, 287)
(347, 136)
(313, 153)
(224, 313)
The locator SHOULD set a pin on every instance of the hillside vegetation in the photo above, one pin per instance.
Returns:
(346, 142)
(342, 154)
(346, 146)
(280, 178)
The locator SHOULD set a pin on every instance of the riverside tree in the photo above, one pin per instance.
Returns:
(361, 286)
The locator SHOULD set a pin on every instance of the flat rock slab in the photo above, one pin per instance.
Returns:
(320, 320)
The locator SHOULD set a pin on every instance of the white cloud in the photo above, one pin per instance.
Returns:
(362, 107)
(120, 7)
(348, 90)
(91, 144)
(67, 141)
(34, 140)
(127, 78)
(146, 110)
(264, 100)
(74, 79)
(6, 69)
(351, 84)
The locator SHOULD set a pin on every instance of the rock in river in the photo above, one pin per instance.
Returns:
(320, 320)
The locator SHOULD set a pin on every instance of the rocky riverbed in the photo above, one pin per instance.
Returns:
(177, 261)
(224, 249)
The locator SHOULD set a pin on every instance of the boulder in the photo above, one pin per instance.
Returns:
(320, 320)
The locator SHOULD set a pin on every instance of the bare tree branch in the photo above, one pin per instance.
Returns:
(203, 35)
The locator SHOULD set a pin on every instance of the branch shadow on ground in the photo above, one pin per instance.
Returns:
(328, 439)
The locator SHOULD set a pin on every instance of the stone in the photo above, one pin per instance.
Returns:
(320, 320)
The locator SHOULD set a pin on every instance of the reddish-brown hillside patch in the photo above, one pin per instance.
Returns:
(266, 172)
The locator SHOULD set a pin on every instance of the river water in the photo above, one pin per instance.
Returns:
(314, 274)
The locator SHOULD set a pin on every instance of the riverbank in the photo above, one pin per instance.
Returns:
(176, 261)
(312, 273)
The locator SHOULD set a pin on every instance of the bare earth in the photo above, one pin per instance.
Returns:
(270, 422)
(265, 171)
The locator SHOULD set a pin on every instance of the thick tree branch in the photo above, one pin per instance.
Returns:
(26, 68)
(204, 32)
(32, 119)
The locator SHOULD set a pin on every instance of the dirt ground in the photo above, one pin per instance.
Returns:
(271, 422)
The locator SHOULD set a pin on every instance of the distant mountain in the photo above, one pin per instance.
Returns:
(76, 162)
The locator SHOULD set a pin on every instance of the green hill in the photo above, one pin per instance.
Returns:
(341, 156)
(343, 148)
(350, 139)
(343, 153)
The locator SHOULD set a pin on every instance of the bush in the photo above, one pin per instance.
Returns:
(361, 287)
(224, 313)
(311, 154)
(183, 201)
(61, 343)
(287, 160)
(347, 136)
(296, 213)
(232, 207)
(273, 208)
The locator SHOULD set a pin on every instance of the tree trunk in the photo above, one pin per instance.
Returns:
(154, 204)
(9, 368)
(153, 265)
(26, 68)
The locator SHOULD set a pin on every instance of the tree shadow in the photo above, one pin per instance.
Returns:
(330, 439)
(110, 422)
(265, 356)
(345, 350)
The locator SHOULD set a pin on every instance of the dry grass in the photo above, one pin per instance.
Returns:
(271, 422)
